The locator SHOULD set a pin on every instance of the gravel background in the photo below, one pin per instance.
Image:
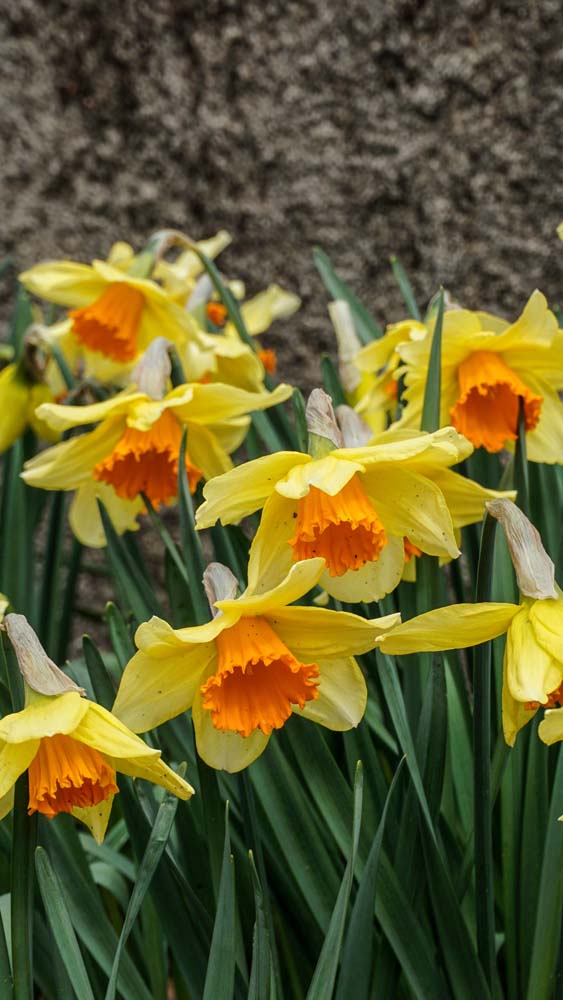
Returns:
(427, 129)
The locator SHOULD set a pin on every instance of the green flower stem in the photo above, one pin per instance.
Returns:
(484, 899)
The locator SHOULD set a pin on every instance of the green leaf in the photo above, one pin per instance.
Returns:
(260, 985)
(324, 978)
(220, 978)
(131, 580)
(366, 327)
(404, 284)
(154, 849)
(190, 541)
(357, 955)
(331, 381)
(432, 393)
(61, 924)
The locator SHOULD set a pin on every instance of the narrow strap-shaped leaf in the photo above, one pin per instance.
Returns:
(405, 286)
(121, 640)
(331, 381)
(301, 436)
(190, 541)
(366, 327)
(153, 852)
(432, 392)
(167, 539)
(324, 977)
(135, 591)
(357, 953)
(99, 676)
(220, 977)
(546, 941)
(61, 924)
(521, 474)
(260, 986)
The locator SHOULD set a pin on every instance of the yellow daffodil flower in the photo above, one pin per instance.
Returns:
(112, 312)
(354, 506)
(533, 658)
(179, 277)
(247, 670)
(70, 746)
(19, 399)
(488, 365)
(376, 364)
(135, 448)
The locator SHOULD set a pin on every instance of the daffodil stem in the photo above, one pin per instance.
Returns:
(24, 838)
(484, 899)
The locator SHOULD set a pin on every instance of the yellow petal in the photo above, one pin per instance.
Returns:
(342, 696)
(243, 490)
(69, 464)
(15, 758)
(551, 727)
(84, 514)
(515, 715)
(329, 474)
(547, 621)
(454, 627)
(465, 499)
(440, 449)
(155, 689)
(274, 303)
(532, 674)
(412, 505)
(271, 557)
(313, 633)
(545, 442)
(7, 800)
(224, 751)
(64, 282)
(44, 715)
(39, 394)
(96, 818)
(373, 580)
(154, 769)
(206, 452)
(302, 577)
(158, 638)
(14, 396)
(215, 402)
(61, 418)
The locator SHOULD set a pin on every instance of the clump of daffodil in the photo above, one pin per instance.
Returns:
(362, 507)
(135, 447)
(533, 659)
(376, 398)
(115, 309)
(22, 389)
(246, 671)
(70, 746)
(488, 366)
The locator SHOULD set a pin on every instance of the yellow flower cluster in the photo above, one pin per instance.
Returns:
(343, 519)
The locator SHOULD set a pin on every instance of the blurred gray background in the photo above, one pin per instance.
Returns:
(426, 129)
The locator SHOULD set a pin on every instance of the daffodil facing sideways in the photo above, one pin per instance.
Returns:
(23, 387)
(533, 658)
(246, 671)
(376, 364)
(135, 446)
(357, 507)
(71, 747)
(488, 366)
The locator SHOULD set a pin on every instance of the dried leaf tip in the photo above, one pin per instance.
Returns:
(219, 585)
(153, 370)
(535, 572)
(38, 671)
(324, 432)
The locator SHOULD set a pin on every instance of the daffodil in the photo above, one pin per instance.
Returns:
(488, 366)
(376, 396)
(533, 658)
(246, 671)
(136, 446)
(179, 278)
(113, 313)
(353, 506)
(22, 389)
(71, 747)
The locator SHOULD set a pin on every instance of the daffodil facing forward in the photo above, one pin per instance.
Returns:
(353, 506)
(247, 670)
(70, 747)
(533, 659)
(135, 448)
(115, 311)
(488, 366)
